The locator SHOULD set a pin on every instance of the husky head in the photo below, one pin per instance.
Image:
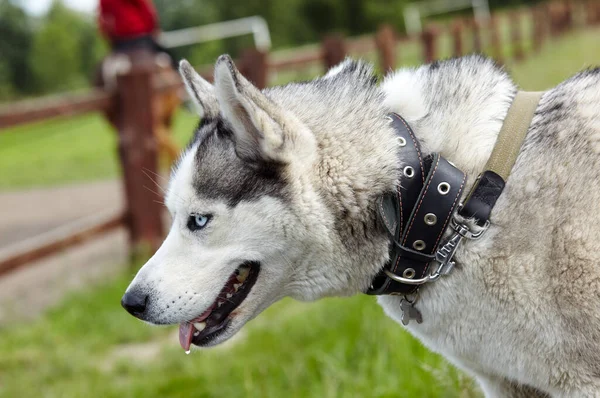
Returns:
(252, 220)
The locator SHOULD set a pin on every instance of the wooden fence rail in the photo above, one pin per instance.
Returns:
(66, 105)
(137, 88)
(63, 238)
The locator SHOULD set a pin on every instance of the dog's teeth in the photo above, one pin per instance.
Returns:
(244, 271)
(220, 303)
(229, 295)
(236, 286)
(196, 334)
(199, 326)
(187, 352)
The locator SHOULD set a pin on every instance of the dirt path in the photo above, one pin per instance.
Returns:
(25, 215)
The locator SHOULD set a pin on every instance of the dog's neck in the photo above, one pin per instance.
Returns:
(455, 107)
(358, 157)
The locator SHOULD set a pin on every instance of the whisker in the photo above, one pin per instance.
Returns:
(154, 192)
(164, 191)
(156, 174)
(145, 171)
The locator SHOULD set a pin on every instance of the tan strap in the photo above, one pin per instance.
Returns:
(513, 132)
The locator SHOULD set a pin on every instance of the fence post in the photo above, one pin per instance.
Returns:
(457, 38)
(538, 30)
(593, 12)
(589, 12)
(386, 45)
(476, 36)
(334, 50)
(495, 40)
(515, 34)
(568, 14)
(545, 21)
(557, 18)
(254, 66)
(429, 36)
(138, 153)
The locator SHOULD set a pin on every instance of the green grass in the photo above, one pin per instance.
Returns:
(347, 347)
(558, 61)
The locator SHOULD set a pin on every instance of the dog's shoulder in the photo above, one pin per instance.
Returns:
(568, 117)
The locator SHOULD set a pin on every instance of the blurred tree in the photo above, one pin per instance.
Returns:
(92, 48)
(510, 3)
(186, 14)
(288, 24)
(6, 87)
(15, 43)
(55, 59)
(322, 15)
(381, 11)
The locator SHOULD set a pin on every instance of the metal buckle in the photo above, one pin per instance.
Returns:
(406, 281)
(465, 232)
(444, 255)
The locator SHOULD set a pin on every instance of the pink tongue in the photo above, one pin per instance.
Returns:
(185, 335)
(187, 329)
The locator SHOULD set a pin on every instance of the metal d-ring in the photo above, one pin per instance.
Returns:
(407, 281)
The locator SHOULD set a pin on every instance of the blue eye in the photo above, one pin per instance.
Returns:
(198, 221)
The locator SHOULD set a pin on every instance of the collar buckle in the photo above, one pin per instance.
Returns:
(445, 254)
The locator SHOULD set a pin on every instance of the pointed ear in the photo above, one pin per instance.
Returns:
(200, 91)
(255, 120)
(347, 65)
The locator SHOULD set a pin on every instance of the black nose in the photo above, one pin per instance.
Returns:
(135, 302)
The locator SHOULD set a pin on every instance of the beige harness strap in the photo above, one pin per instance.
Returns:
(511, 137)
(491, 181)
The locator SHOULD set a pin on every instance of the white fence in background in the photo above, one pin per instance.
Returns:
(257, 26)
(415, 12)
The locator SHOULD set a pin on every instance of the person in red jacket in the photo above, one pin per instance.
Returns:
(129, 25)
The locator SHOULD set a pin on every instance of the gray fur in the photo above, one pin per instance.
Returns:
(292, 174)
(221, 174)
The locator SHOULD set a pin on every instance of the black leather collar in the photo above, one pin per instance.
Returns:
(416, 215)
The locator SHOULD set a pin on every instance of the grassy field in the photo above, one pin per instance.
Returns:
(89, 346)
(334, 348)
(84, 148)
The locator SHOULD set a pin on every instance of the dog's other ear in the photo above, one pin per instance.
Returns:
(256, 121)
(348, 65)
(201, 92)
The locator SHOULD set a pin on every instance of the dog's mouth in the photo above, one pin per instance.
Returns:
(214, 321)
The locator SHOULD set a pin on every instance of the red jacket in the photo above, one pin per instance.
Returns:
(126, 19)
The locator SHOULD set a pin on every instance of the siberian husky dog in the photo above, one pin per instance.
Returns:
(276, 196)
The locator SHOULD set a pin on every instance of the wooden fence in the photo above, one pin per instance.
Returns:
(137, 87)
